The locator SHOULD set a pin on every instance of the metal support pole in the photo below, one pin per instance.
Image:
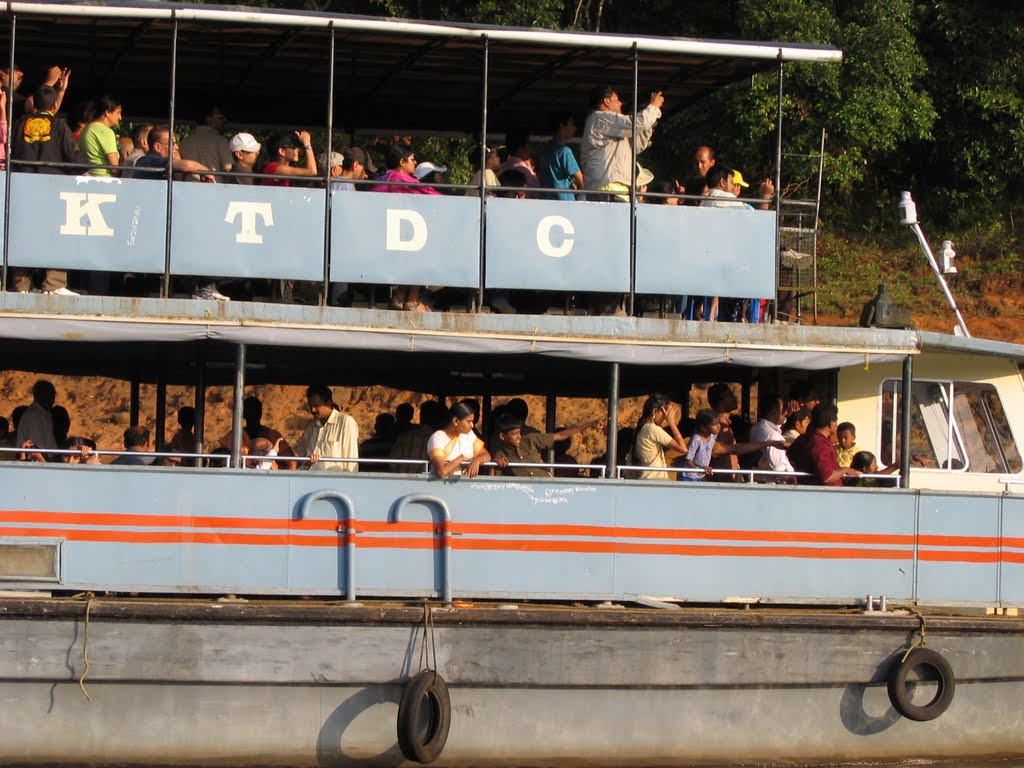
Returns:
(778, 191)
(961, 323)
(133, 406)
(550, 421)
(745, 401)
(325, 297)
(630, 309)
(236, 415)
(165, 288)
(7, 176)
(905, 410)
(200, 405)
(483, 173)
(613, 419)
(160, 438)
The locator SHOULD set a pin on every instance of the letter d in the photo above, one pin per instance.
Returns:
(394, 241)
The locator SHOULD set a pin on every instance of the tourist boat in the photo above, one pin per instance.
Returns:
(234, 616)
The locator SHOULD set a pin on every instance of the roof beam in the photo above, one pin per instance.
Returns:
(275, 48)
(137, 34)
(543, 72)
(406, 63)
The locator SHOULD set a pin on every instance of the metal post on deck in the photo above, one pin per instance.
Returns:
(165, 288)
(160, 438)
(550, 421)
(236, 415)
(200, 406)
(613, 419)
(483, 174)
(7, 176)
(325, 298)
(133, 401)
(632, 185)
(906, 402)
(745, 399)
(778, 191)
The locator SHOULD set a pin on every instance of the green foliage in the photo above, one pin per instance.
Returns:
(513, 13)
(453, 154)
(869, 105)
(976, 66)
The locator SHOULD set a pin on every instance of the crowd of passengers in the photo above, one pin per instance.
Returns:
(794, 440)
(604, 171)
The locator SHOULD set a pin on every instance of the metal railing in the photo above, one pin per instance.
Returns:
(225, 457)
(422, 466)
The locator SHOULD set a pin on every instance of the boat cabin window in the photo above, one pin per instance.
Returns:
(972, 436)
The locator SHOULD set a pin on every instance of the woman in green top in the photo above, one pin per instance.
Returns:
(97, 140)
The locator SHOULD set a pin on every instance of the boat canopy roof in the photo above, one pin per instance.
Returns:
(290, 343)
(271, 67)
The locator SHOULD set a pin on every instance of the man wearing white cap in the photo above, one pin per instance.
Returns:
(245, 150)
(429, 173)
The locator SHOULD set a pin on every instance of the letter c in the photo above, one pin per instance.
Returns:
(544, 242)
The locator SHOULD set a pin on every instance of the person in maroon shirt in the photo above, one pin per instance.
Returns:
(813, 453)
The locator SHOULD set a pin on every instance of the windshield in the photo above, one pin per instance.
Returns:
(972, 436)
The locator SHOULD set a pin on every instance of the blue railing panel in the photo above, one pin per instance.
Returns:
(783, 542)
(230, 230)
(550, 517)
(690, 250)
(557, 246)
(85, 222)
(404, 239)
(1011, 580)
(958, 556)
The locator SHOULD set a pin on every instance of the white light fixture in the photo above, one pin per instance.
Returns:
(946, 256)
(908, 209)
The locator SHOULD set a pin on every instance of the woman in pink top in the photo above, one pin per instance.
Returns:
(401, 165)
(3, 127)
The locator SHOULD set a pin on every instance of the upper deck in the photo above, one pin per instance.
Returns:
(363, 76)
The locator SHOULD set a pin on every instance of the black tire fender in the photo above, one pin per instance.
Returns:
(901, 699)
(426, 689)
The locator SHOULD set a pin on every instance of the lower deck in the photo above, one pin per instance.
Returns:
(177, 530)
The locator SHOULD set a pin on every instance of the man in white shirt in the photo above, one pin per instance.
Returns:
(772, 413)
(332, 434)
(605, 149)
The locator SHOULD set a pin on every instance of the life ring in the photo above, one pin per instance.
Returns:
(426, 689)
(901, 698)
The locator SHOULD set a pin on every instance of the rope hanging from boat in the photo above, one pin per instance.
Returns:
(921, 639)
(428, 637)
(85, 649)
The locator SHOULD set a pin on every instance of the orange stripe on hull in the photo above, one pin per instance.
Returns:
(303, 533)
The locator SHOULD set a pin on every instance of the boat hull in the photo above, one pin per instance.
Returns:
(313, 685)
